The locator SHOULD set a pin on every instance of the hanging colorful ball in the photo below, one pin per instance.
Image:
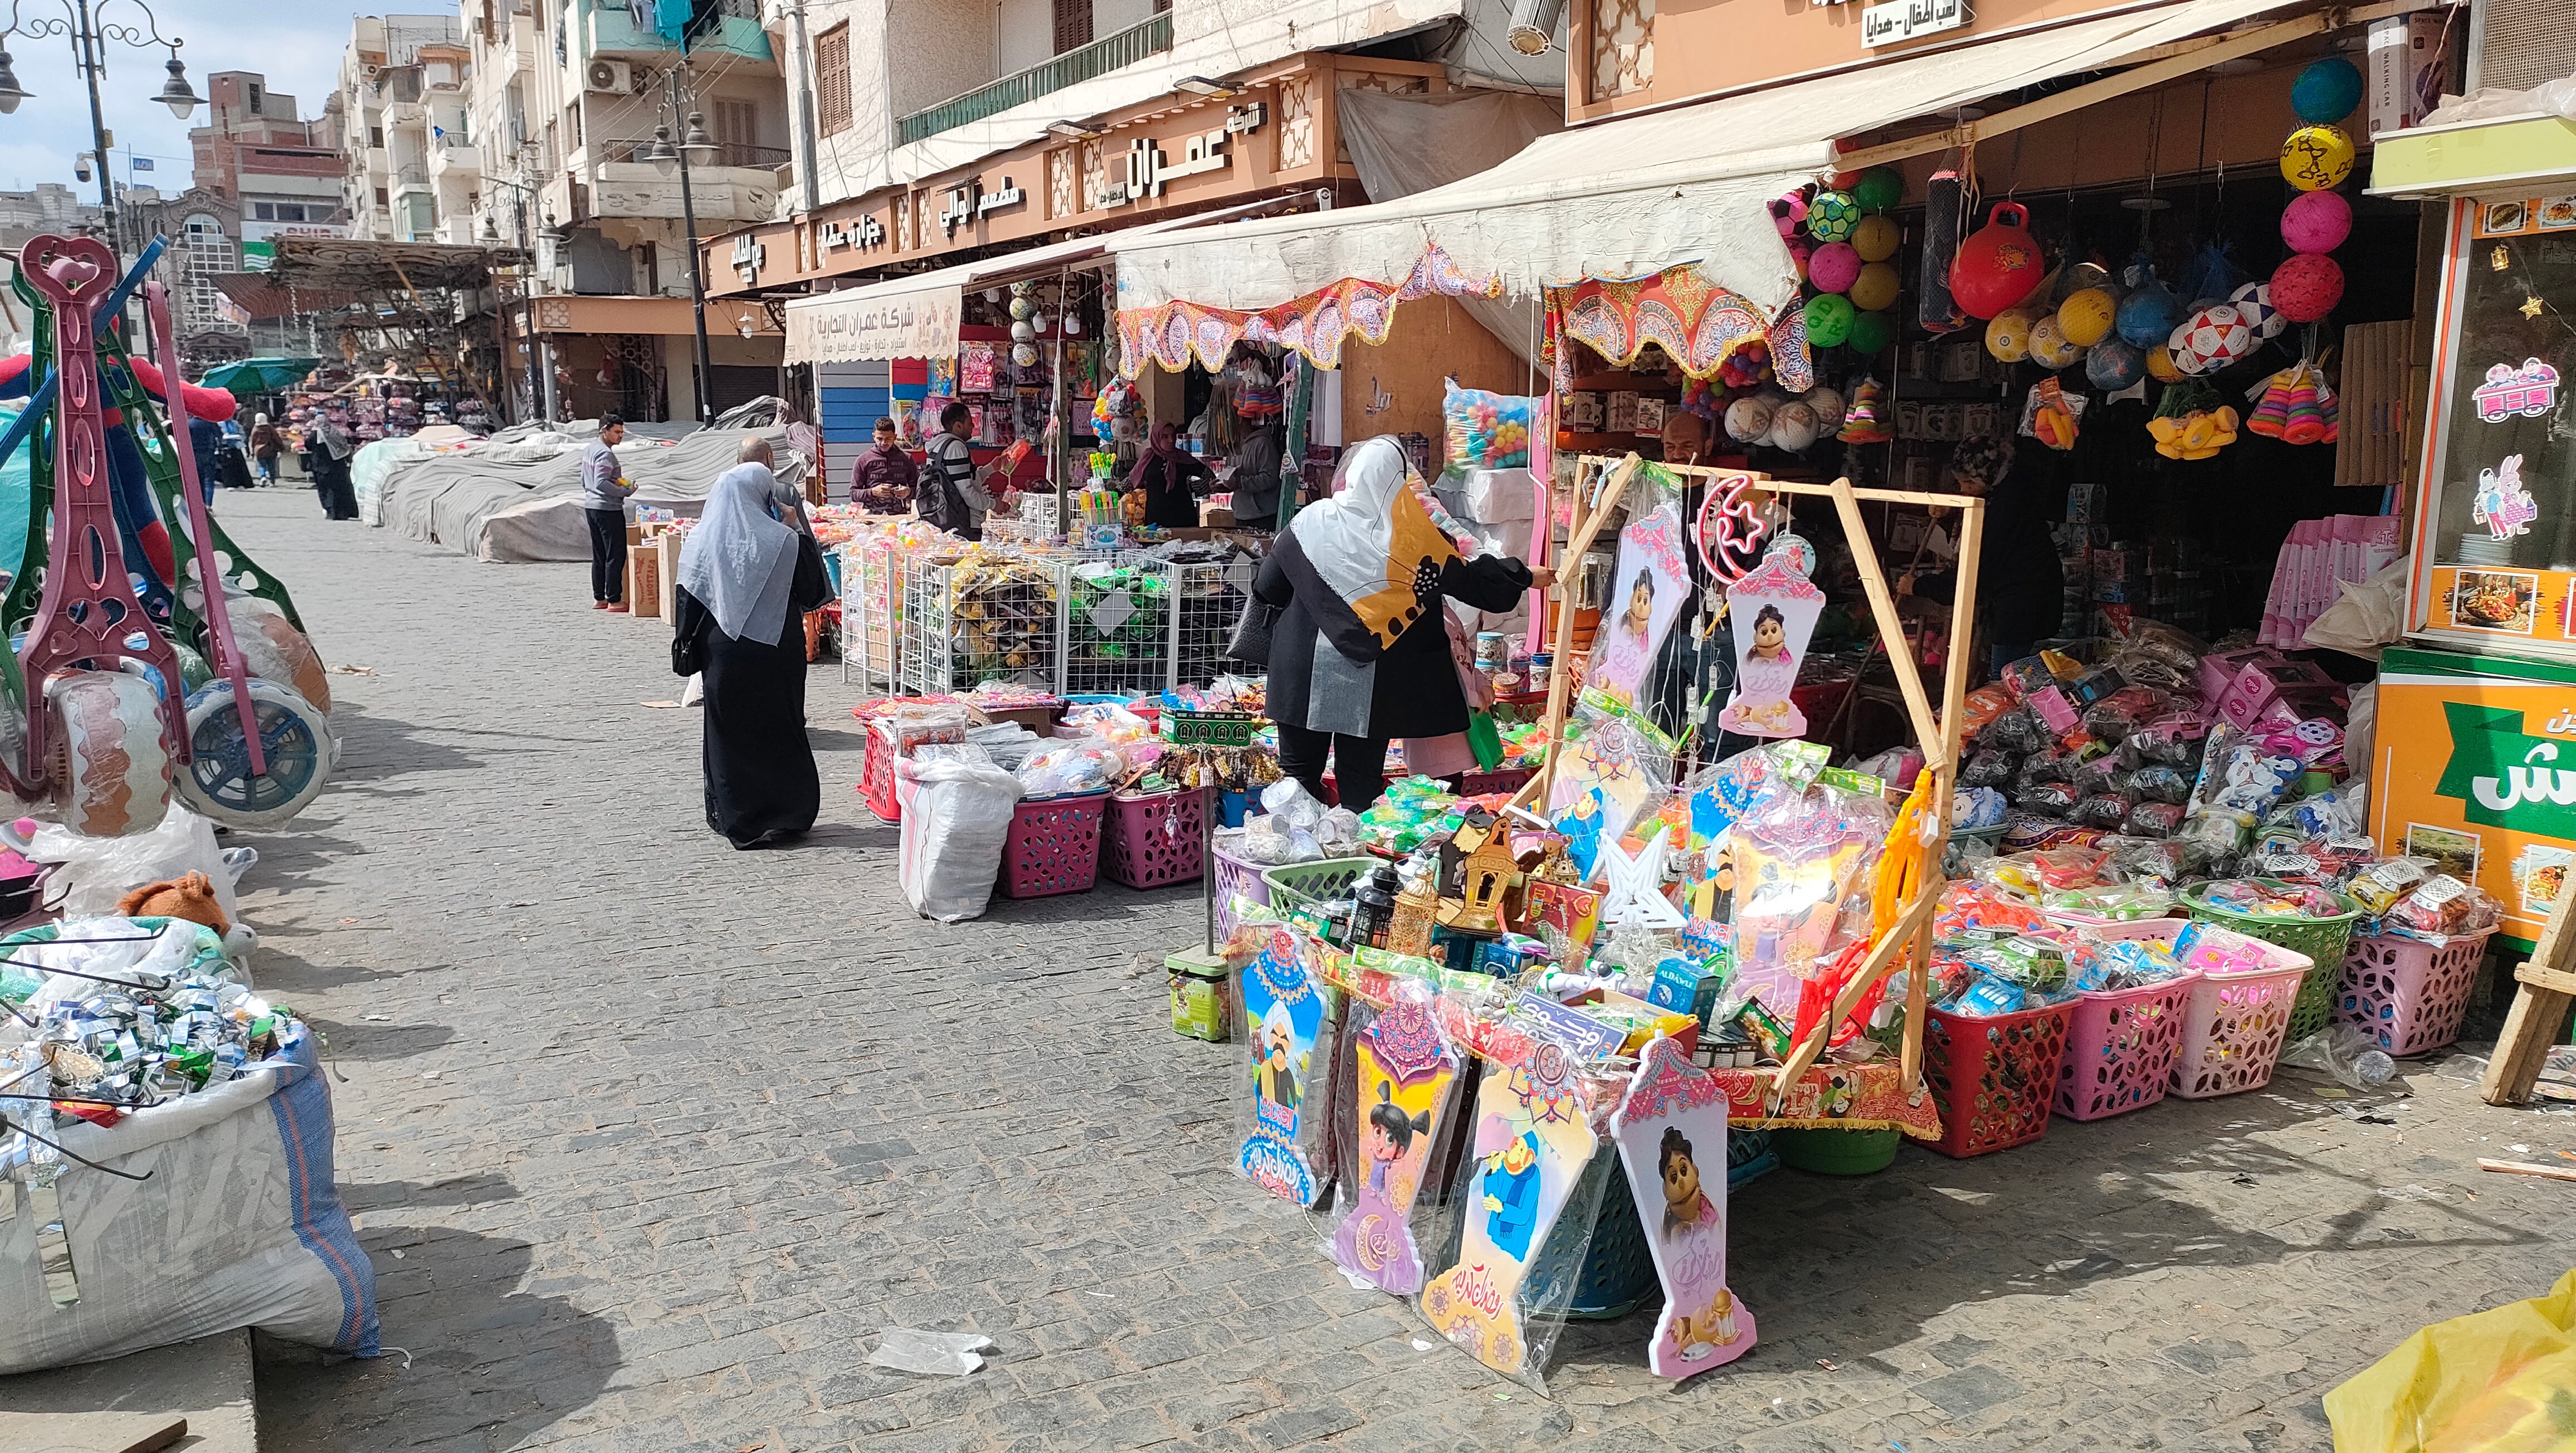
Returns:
(1875, 288)
(2160, 365)
(1871, 332)
(1877, 238)
(2211, 339)
(1833, 267)
(1827, 406)
(2087, 315)
(1793, 427)
(1829, 320)
(1997, 266)
(2149, 315)
(2315, 157)
(2049, 345)
(1880, 189)
(2316, 221)
(1801, 251)
(1789, 213)
(1833, 216)
(2306, 286)
(2008, 337)
(2327, 90)
(2112, 365)
(1747, 420)
(2253, 303)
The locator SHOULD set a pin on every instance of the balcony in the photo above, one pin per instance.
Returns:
(611, 32)
(455, 158)
(412, 178)
(1109, 53)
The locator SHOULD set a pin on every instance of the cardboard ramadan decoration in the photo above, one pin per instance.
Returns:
(1773, 611)
(1671, 1133)
(1406, 1073)
(1287, 1023)
(1532, 1144)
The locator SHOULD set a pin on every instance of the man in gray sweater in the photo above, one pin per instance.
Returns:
(603, 498)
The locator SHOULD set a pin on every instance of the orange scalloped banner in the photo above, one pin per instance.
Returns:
(1316, 325)
(1697, 323)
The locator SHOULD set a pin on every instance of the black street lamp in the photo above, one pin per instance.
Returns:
(694, 147)
(85, 23)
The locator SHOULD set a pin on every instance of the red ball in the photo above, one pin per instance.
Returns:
(2307, 286)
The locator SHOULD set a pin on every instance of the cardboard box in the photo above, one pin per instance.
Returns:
(644, 578)
(666, 552)
(2405, 72)
(1214, 516)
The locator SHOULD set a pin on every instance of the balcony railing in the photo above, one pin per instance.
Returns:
(727, 154)
(1099, 58)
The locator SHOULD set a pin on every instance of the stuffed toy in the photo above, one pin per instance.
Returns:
(191, 897)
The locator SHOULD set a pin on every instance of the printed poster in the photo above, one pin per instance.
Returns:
(2479, 773)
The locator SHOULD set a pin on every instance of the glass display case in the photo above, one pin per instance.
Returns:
(2495, 543)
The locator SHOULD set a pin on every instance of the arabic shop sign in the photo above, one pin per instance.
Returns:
(969, 202)
(865, 233)
(851, 329)
(2505, 777)
(1900, 20)
(748, 255)
(1148, 167)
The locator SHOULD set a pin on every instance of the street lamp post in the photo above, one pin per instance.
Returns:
(86, 24)
(694, 146)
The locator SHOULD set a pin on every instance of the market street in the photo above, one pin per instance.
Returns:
(649, 1138)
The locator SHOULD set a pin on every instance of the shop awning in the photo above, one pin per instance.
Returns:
(1631, 197)
(917, 316)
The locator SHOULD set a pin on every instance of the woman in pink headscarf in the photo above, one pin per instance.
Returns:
(1166, 473)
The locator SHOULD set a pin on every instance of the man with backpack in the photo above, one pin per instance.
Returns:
(948, 495)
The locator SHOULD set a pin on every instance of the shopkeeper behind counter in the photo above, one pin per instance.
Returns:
(1359, 654)
(1169, 476)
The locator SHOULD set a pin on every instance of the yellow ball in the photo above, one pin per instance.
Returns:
(2008, 337)
(2049, 346)
(1875, 288)
(2160, 365)
(1876, 238)
(2316, 157)
(2086, 315)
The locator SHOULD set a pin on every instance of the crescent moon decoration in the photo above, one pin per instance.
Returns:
(1728, 533)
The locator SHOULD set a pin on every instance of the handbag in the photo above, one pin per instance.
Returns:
(688, 657)
(1250, 643)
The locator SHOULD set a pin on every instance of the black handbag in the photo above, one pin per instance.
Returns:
(1250, 643)
(687, 656)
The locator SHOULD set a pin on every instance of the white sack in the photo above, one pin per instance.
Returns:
(956, 819)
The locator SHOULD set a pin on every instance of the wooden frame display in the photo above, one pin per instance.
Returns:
(1601, 484)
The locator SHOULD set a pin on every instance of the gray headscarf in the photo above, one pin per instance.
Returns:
(739, 562)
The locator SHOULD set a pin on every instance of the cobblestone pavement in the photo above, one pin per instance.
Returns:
(649, 1138)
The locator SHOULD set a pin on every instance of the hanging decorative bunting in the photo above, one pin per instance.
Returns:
(1697, 323)
(1315, 326)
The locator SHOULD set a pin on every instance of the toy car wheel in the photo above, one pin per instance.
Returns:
(111, 776)
(295, 741)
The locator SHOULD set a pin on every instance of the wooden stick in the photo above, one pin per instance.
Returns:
(1891, 631)
(2538, 1014)
(1800, 486)
(1591, 508)
(1882, 958)
(2526, 1168)
(1945, 769)
(1918, 997)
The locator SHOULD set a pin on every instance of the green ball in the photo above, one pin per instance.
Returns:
(1829, 320)
(1872, 332)
(1832, 216)
(1880, 189)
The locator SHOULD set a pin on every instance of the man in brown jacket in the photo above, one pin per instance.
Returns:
(881, 482)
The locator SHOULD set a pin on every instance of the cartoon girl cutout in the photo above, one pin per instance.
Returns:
(1687, 1208)
(1629, 647)
(1770, 674)
(1373, 1239)
(1693, 1231)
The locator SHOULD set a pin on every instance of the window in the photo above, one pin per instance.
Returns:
(737, 131)
(254, 98)
(832, 80)
(380, 198)
(375, 136)
(1072, 25)
(208, 252)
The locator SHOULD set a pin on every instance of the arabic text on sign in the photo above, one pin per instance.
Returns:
(1905, 19)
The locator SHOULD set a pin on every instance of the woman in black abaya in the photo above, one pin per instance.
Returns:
(746, 581)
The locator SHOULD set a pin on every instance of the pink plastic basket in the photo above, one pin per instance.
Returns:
(2410, 996)
(1153, 839)
(1235, 878)
(2121, 1043)
(2235, 1022)
(876, 773)
(1054, 846)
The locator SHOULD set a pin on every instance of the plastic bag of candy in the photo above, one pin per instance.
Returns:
(2048, 799)
(2158, 783)
(1982, 706)
(2118, 902)
(2036, 965)
(2275, 898)
(2048, 766)
(2175, 740)
(2378, 887)
(1089, 765)
(1977, 907)
(2152, 820)
(1485, 430)
(2128, 858)
(2099, 967)
(2440, 909)
(2151, 653)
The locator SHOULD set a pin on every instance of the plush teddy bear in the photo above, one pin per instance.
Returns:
(191, 897)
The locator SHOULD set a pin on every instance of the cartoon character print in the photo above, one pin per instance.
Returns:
(1672, 1115)
(1511, 1186)
(1280, 1066)
(1687, 1208)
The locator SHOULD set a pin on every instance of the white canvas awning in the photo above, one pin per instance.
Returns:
(917, 316)
(1632, 197)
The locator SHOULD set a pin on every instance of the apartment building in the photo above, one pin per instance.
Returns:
(565, 99)
(410, 168)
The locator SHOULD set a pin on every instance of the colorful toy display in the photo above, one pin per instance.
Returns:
(1407, 1071)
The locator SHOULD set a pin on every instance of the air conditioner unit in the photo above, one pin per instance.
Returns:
(613, 76)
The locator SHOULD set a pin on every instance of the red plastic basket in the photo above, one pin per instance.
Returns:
(1236, 877)
(876, 774)
(1054, 846)
(1153, 838)
(1995, 1076)
(2411, 996)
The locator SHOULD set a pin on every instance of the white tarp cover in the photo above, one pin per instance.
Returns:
(1631, 197)
(518, 503)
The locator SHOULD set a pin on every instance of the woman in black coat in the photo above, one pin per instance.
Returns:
(1358, 655)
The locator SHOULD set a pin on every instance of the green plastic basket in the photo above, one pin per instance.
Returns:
(2323, 940)
(1294, 885)
(1836, 1152)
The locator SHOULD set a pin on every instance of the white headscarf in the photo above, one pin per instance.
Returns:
(739, 562)
(1370, 545)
